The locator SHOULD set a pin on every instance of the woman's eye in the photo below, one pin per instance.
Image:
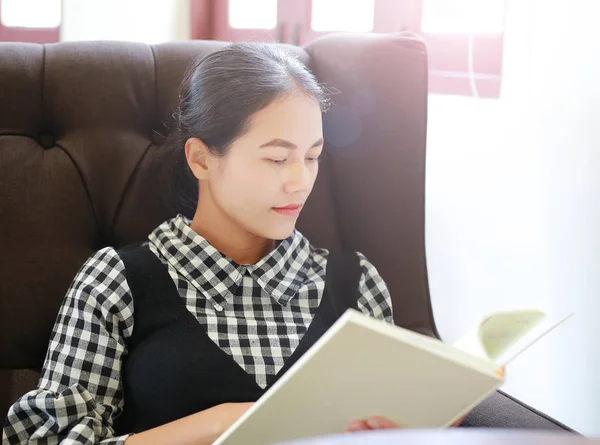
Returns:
(277, 161)
(315, 159)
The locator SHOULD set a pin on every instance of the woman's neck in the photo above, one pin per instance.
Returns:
(227, 236)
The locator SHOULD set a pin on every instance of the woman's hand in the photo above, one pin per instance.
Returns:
(371, 423)
(379, 423)
(226, 414)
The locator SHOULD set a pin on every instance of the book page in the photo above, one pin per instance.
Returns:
(501, 331)
(541, 329)
(471, 344)
(498, 332)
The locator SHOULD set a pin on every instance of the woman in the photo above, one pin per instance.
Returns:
(172, 340)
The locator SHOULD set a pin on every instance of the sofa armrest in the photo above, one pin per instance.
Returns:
(503, 411)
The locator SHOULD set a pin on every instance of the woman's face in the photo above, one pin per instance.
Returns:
(268, 173)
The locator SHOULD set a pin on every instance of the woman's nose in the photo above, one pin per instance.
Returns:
(298, 177)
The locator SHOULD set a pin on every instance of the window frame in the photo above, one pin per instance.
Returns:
(220, 29)
(448, 53)
(448, 58)
(29, 35)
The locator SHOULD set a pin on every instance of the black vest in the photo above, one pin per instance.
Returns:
(173, 369)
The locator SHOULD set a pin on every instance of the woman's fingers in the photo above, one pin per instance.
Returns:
(381, 423)
(459, 421)
(371, 423)
(357, 425)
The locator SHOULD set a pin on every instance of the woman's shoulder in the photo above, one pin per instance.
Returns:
(108, 263)
(101, 282)
(374, 297)
(369, 274)
(321, 255)
(106, 257)
(104, 265)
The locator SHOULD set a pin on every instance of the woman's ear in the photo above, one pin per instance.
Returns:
(198, 158)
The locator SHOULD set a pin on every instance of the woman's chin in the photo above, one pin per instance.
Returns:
(280, 231)
(281, 235)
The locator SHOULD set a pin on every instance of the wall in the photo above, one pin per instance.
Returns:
(513, 203)
(149, 21)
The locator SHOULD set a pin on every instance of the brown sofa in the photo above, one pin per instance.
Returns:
(82, 128)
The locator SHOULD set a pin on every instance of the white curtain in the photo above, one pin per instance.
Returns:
(513, 203)
(147, 21)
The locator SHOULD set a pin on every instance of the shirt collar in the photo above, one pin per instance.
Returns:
(280, 273)
(284, 270)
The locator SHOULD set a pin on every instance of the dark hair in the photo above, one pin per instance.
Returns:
(217, 98)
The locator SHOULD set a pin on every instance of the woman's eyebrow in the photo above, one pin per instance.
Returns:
(287, 144)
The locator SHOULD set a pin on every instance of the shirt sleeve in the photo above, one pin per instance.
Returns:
(80, 391)
(373, 296)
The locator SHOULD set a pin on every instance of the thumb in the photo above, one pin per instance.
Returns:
(381, 423)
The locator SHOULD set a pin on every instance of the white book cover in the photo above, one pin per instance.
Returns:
(364, 367)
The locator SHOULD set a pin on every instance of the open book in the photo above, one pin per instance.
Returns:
(365, 367)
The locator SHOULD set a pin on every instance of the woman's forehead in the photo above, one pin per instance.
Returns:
(289, 114)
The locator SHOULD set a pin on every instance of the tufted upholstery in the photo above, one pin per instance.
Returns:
(82, 132)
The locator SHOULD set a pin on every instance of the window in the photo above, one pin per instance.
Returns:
(30, 13)
(343, 15)
(35, 21)
(255, 14)
(465, 41)
(240, 20)
(464, 38)
(463, 16)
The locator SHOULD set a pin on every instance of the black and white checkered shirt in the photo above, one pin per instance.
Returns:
(256, 313)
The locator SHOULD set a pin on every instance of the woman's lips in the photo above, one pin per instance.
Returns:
(289, 210)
